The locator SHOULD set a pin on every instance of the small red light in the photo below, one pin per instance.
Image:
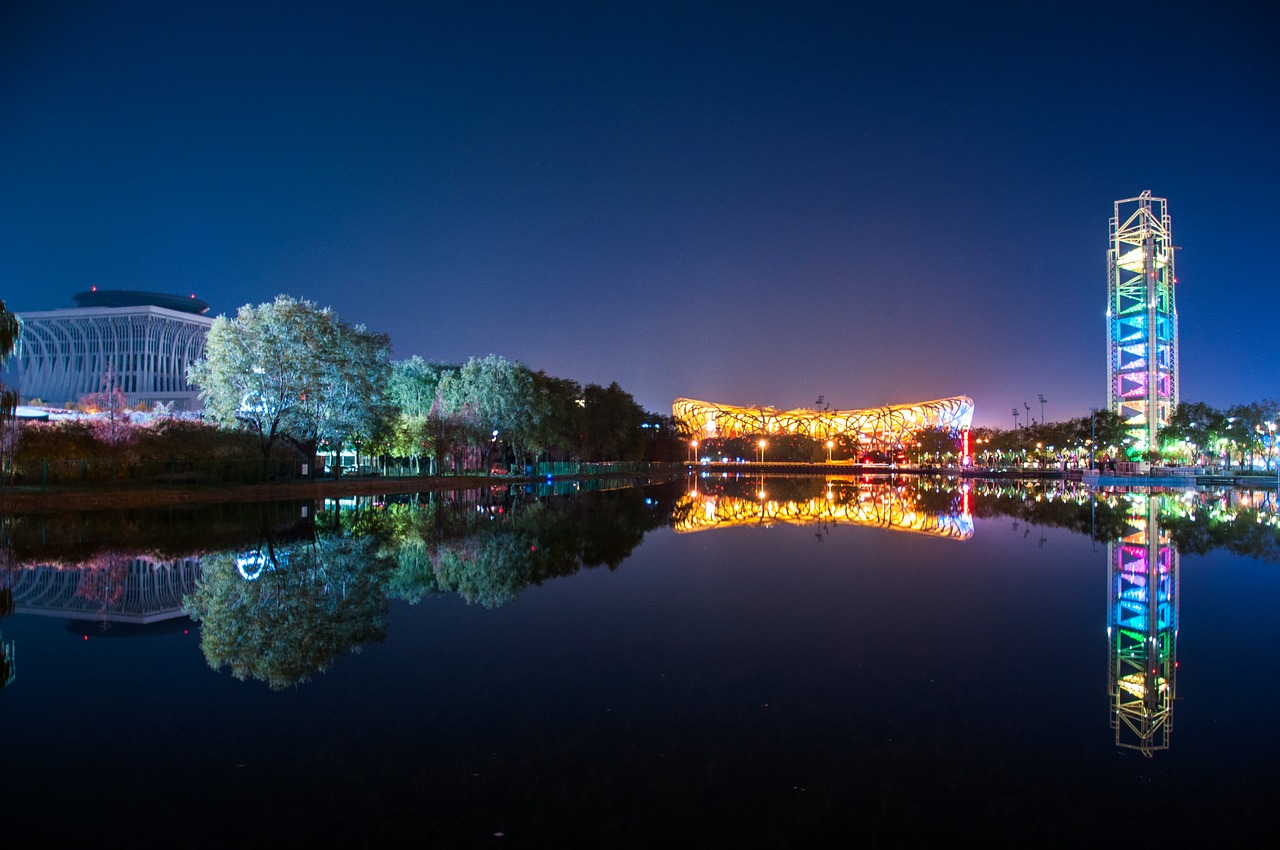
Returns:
(86, 637)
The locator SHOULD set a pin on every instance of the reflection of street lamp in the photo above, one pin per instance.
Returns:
(830, 445)
(762, 444)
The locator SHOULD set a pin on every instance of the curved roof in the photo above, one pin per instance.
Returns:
(704, 418)
(136, 298)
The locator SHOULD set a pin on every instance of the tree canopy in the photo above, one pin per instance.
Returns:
(291, 370)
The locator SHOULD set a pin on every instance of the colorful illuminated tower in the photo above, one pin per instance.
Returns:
(1142, 321)
(1142, 627)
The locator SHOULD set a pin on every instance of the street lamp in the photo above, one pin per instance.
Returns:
(830, 445)
(1041, 397)
(1093, 423)
(694, 445)
(762, 444)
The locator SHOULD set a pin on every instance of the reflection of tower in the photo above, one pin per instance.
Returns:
(1142, 321)
(1142, 626)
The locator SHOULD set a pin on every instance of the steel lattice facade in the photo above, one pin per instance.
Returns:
(890, 425)
(66, 354)
(1142, 319)
(1142, 628)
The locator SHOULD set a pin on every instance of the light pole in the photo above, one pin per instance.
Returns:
(1093, 437)
(1041, 396)
(694, 445)
(762, 444)
(1015, 419)
(830, 445)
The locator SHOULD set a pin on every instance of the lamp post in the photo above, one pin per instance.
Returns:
(1041, 397)
(1093, 422)
(693, 444)
(762, 444)
(830, 445)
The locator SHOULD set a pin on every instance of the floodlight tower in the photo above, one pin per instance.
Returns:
(1142, 321)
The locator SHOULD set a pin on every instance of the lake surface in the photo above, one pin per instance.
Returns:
(772, 662)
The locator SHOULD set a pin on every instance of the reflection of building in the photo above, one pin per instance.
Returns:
(1142, 321)
(128, 590)
(144, 340)
(880, 428)
(879, 504)
(1142, 628)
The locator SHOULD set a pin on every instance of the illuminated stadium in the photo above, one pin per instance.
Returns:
(887, 426)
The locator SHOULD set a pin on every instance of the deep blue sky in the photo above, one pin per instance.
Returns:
(743, 202)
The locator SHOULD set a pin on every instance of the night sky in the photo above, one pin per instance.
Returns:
(741, 202)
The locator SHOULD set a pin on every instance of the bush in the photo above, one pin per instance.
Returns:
(82, 451)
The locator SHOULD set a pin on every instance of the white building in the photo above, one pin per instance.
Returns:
(145, 340)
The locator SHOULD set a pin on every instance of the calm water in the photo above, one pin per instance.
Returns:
(709, 662)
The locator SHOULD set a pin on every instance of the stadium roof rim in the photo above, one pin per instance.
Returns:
(810, 411)
(140, 298)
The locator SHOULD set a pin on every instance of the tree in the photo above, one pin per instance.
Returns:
(293, 371)
(611, 424)
(10, 333)
(494, 398)
(414, 393)
(111, 403)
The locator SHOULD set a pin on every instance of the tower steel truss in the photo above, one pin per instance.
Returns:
(1142, 627)
(1142, 320)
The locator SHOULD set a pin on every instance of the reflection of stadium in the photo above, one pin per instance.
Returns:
(125, 590)
(875, 426)
(879, 504)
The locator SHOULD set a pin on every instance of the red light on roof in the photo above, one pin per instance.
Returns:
(93, 289)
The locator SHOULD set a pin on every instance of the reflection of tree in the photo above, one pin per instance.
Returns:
(302, 606)
(7, 669)
(489, 553)
(1244, 531)
(1076, 509)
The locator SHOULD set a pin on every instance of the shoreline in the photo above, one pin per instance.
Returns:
(146, 497)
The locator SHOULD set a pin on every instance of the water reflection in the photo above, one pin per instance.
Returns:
(1142, 628)
(282, 592)
(301, 606)
(934, 507)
